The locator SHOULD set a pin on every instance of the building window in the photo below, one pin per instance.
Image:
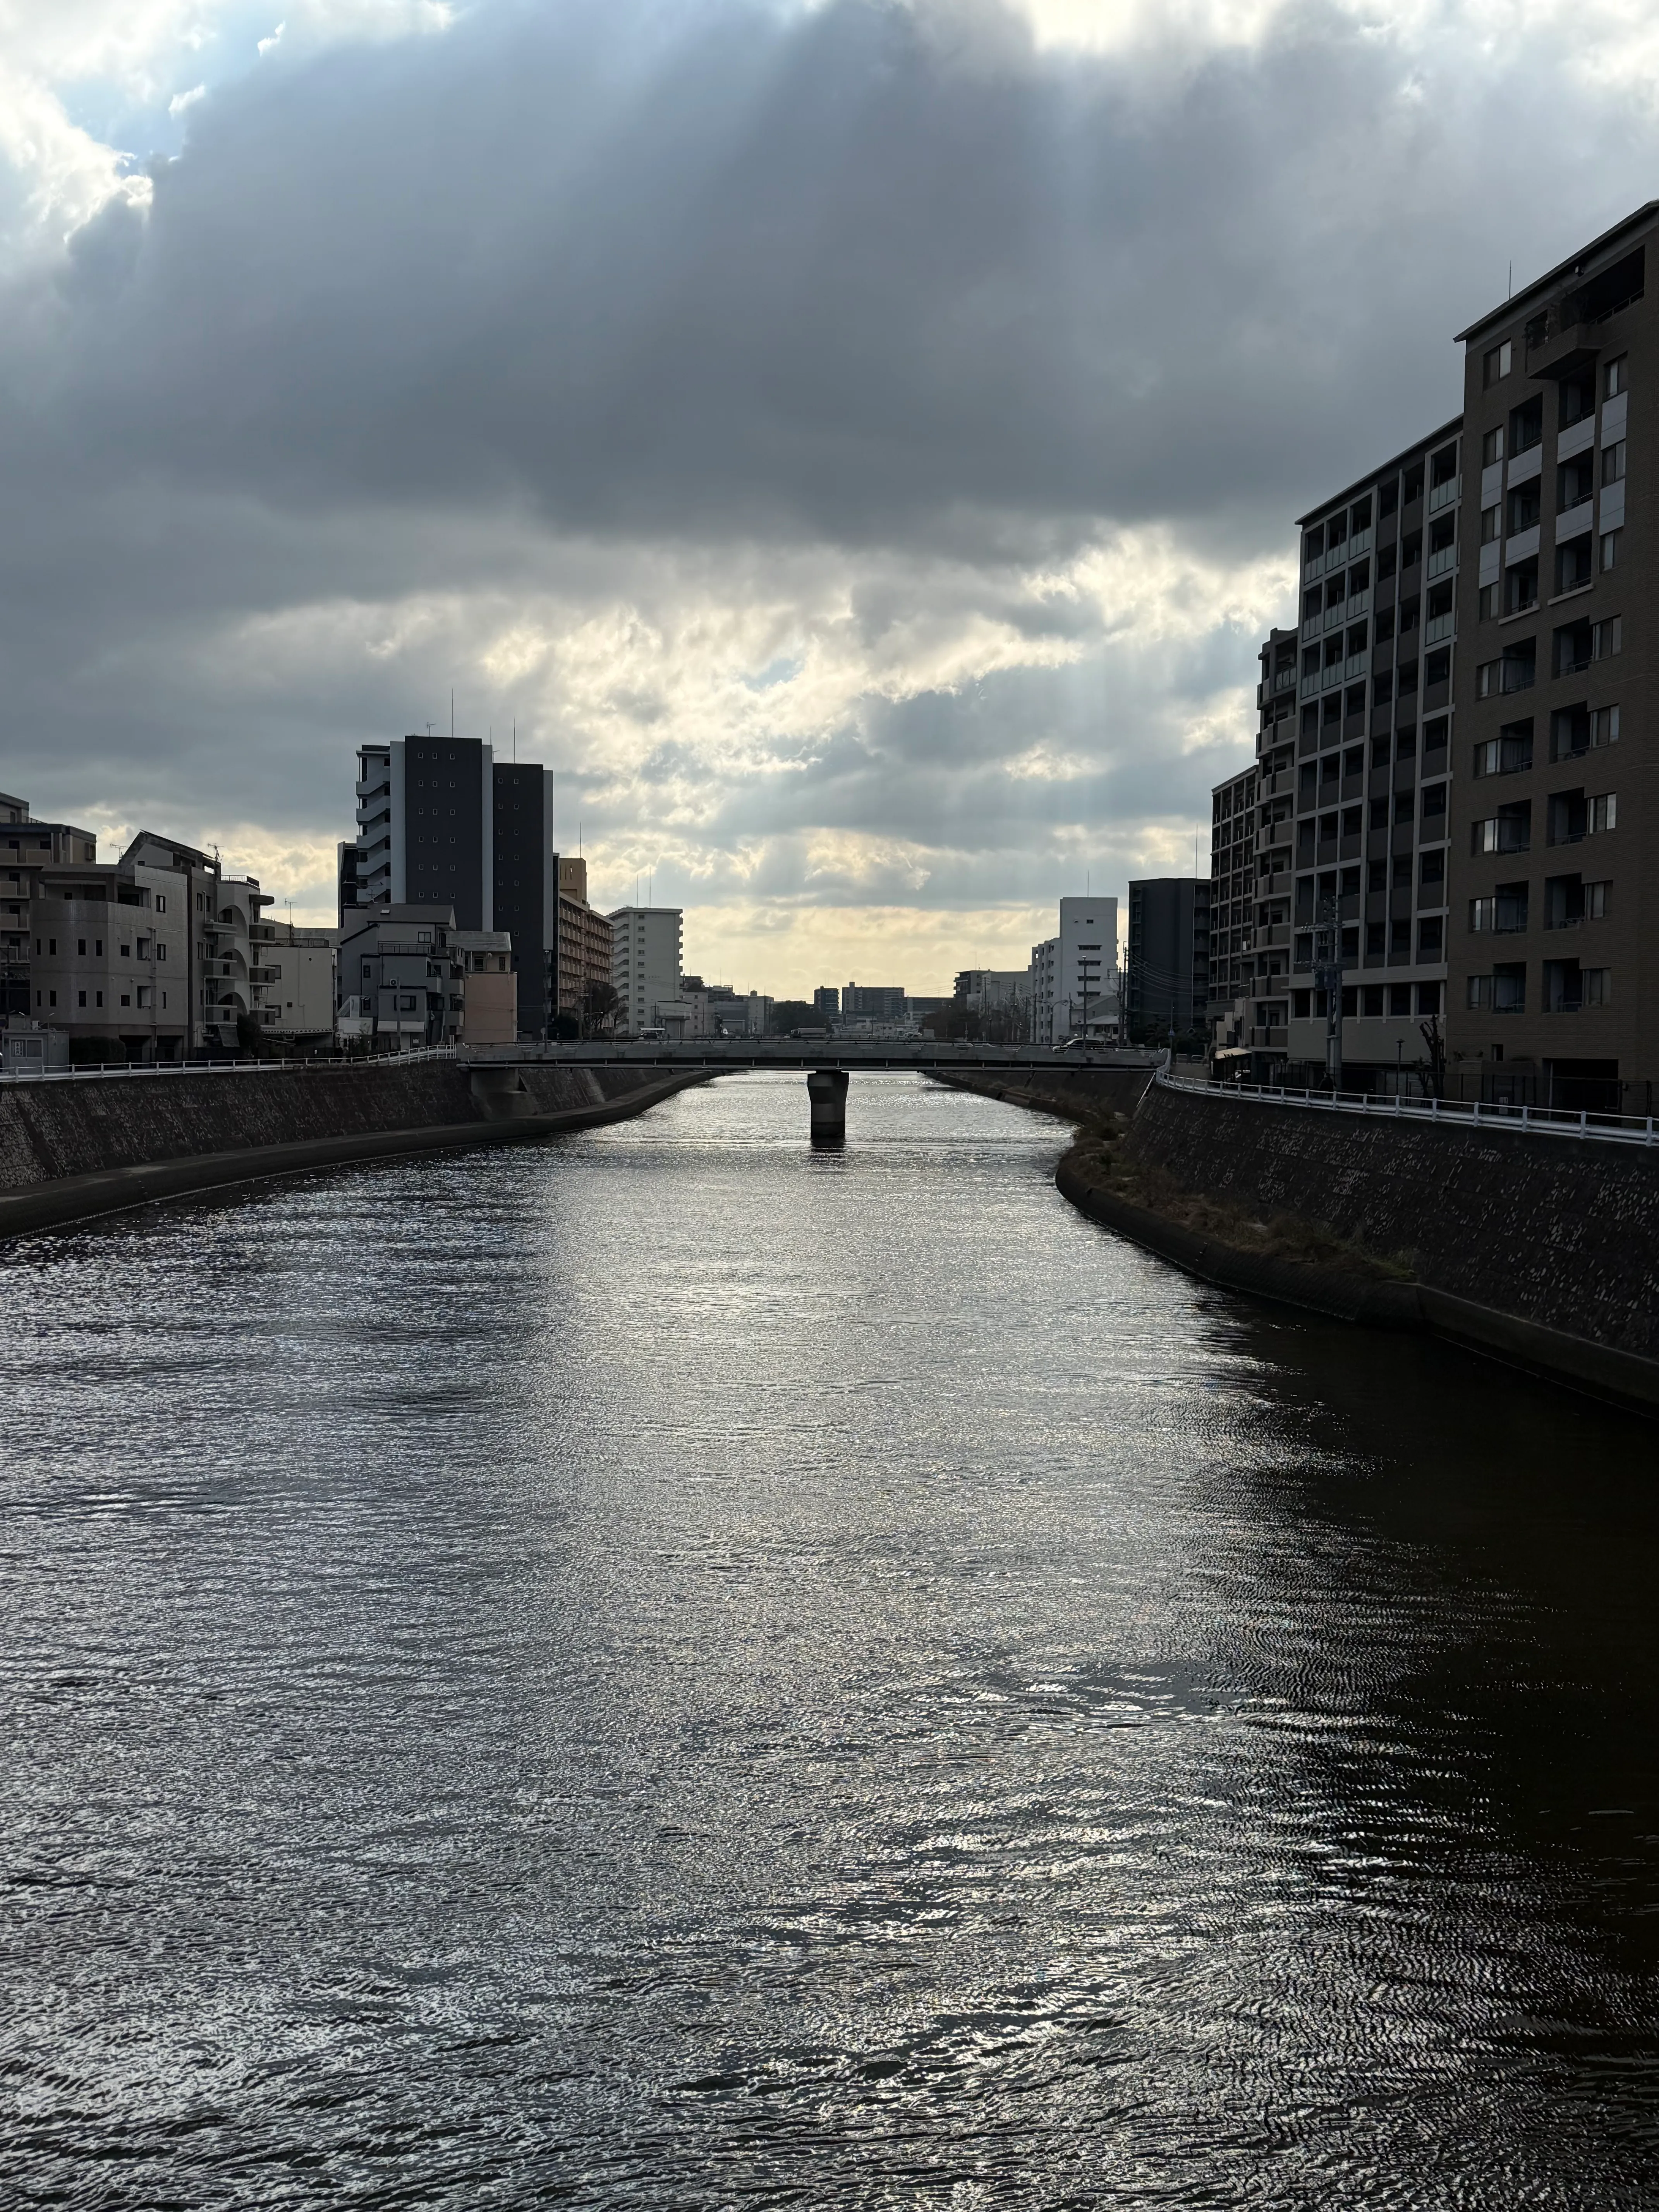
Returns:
(83, 998)
(1606, 638)
(1497, 363)
(1492, 447)
(1614, 378)
(1503, 992)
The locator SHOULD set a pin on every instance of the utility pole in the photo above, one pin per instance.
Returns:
(1328, 978)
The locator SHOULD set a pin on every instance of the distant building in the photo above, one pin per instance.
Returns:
(826, 1001)
(1073, 974)
(442, 822)
(645, 963)
(1232, 936)
(401, 982)
(299, 984)
(227, 985)
(584, 947)
(109, 962)
(1166, 975)
(489, 989)
(27, 848)
(873, 1002)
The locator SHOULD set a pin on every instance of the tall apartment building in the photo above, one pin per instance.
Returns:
(442, 822)
(1166, 973)
(1353, 756)
(228, 978)
(1555, 929)
(647, 943)
(1074, 974)
(1232, 904)
(584, 947)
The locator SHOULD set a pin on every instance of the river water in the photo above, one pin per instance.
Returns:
(663, 1670)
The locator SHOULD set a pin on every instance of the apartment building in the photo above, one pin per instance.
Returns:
(401, 982)
(298, 985)
(872, 1002)
(227, 978)
(442, 822)
(1555, 929)
(1232, 904)
(646, 945)
(1350, 801)
(1074, 974)
(109, 959)
(584, 948)
(1379, 634)
(27, 848)
(1166, 972)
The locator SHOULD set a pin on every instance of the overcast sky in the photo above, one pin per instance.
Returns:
(855, 443)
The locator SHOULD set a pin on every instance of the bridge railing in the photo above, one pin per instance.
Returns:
(1461, 1113)
(144, 1069)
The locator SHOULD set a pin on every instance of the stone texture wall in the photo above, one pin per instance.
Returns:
(1559, 1231)
(52, 1130)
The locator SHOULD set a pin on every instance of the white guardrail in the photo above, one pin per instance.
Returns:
(164, 1067)
(1459, 1112)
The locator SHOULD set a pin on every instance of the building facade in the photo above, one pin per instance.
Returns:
(1166, 968)
(584, 952)
(1232, 907)
(442, 822)
(299, 986)
(1074, 975)
(402, 984)
(27, 848)
(646, 945)
(1555, 975)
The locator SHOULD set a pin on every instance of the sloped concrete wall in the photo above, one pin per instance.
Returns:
(51, 1130)
(1559, 1231)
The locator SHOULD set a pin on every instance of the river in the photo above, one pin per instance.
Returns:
(663, 1670)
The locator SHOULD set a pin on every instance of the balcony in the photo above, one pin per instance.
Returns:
(1439, 627)
(1443, 563)
(1443, 494)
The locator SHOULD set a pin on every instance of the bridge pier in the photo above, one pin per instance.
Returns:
(826, 1091)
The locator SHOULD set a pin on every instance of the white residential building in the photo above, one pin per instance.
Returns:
(296, 969)
(645, 947)
(1074, 976)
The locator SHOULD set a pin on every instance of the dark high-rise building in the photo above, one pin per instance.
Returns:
(1166, 982)
(441, 822)
(525, 873)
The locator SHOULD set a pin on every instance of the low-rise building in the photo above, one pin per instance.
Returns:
(489, 988)
(297, 980)
(402, 983)
(109, 960)
(25, 848)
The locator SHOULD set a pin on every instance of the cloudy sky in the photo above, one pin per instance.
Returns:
(853, 443)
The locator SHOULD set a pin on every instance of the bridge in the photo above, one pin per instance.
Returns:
(828, 1065)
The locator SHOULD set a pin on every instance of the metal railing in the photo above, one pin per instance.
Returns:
(224, 1066)
(1461, 1113)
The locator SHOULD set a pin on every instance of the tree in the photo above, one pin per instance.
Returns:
(600, 1006)
(793, 1014)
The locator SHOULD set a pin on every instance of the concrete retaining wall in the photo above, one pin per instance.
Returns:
(1560, 1232)
(1074, 1093)
(71, 1150)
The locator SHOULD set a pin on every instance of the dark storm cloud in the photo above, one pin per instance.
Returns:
(709, 269)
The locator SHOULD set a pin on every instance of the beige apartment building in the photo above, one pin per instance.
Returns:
(1554, 973)
(110, 959)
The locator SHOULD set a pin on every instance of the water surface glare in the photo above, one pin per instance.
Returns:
(663, 1670)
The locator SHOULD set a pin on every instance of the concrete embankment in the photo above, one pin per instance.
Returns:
(1074, 1094)
(1540, 1250)
(68, 1151)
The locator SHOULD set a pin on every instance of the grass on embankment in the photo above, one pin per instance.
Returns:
(1096, 1159)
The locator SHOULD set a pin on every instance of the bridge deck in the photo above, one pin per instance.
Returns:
(789, 1052)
